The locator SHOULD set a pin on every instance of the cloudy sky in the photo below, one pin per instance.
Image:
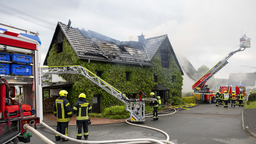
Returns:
(204, 31)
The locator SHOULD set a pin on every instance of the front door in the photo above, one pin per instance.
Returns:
(96, 104)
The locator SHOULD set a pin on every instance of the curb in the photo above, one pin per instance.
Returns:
(246, 127)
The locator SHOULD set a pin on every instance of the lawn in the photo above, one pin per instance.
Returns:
(252, 105)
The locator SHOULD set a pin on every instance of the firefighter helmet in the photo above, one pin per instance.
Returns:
(233, 91)
(225, 91)
(82, 95)
(152, 94)
(63, 93)
(217, 91)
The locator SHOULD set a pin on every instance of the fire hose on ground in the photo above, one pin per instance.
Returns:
(123, 141)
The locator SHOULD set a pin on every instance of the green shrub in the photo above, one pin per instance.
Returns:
(190, 99)
(115, 112)
(252, 97)
(176, 101)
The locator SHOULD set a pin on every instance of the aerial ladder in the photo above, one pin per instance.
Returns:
(135, 107)
(200, 88)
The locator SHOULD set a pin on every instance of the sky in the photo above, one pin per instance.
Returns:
(204, 31)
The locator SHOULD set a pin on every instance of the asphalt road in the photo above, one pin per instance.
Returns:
(204, 124)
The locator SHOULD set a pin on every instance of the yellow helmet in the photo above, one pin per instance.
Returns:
(217, 91)
(82, 95)
(152, 94)
(63, 93)
(233, 91)
(225, 91)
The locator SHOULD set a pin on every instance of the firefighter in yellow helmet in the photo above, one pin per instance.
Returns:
(154, 103)
(233, 99)
(62, 111)
(226, 98)
(218, 97)
(240, 99)
(82, 109)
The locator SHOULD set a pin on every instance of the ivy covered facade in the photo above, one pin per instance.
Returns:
(125, 77)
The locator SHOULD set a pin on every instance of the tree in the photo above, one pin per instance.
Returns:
(201, 71)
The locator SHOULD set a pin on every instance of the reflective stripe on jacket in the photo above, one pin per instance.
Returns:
(226, 96)
(82, 109)
(62, 109)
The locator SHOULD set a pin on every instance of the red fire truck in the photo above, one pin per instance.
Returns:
(231, 88)
(201, 91)
(20, 83)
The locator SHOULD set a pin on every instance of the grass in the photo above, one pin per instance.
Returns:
(252, 105)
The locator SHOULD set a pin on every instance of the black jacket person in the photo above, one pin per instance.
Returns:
(82, 109)
(154, 103)
(62, 111)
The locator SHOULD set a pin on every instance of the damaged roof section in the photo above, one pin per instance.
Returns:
(94, 46)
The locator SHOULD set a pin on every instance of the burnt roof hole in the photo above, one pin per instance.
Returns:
(122, 48)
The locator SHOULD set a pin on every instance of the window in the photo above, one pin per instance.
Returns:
(128, 75)
(60, 47)
(165, 58)
(155, 78)
(98, 73)
(173, 79)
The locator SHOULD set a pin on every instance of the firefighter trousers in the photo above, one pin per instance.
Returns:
(62, 127)
(241, 103)
(225, 103)
(155, 113)
(233, 102)
(82, 124)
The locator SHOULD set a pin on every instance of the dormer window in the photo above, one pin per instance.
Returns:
(165, 58)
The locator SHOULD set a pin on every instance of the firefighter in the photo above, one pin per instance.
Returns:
(82, 109)
(62, 111)
(217, 96)
(221, 99)
(233, 99)
(154, 103)
(226, 97)
(240, 99)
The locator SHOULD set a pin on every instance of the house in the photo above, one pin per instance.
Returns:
(147, 65)
(242, 79)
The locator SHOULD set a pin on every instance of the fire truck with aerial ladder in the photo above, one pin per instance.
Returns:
(201, 90)
(21, 104)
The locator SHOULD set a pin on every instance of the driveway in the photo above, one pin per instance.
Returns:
(204, 124)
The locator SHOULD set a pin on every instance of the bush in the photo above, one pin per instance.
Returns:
(190, 99)
(252, 97)
(176, 101)
(115, 112)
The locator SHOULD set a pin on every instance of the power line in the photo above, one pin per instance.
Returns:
(26, 15)
(23, 18)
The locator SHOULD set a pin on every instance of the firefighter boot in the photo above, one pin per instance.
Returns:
(86, 137)
(79, 137)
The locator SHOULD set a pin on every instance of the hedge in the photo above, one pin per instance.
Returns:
(190, 99)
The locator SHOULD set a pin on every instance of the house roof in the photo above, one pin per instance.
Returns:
(94, 46)
(245, 79)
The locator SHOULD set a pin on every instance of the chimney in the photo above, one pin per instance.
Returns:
(141, 39)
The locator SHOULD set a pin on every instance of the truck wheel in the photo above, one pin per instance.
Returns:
(214, 100)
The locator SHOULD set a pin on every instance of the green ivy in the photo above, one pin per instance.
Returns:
(141, 78)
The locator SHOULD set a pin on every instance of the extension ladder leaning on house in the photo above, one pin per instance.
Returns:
(135, 107)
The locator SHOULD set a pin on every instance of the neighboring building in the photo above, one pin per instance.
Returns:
(242, 79)
(147, 65)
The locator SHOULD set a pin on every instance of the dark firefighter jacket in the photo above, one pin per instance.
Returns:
(62, 109)
(81, 109)
(217, 95)
(154, 102)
